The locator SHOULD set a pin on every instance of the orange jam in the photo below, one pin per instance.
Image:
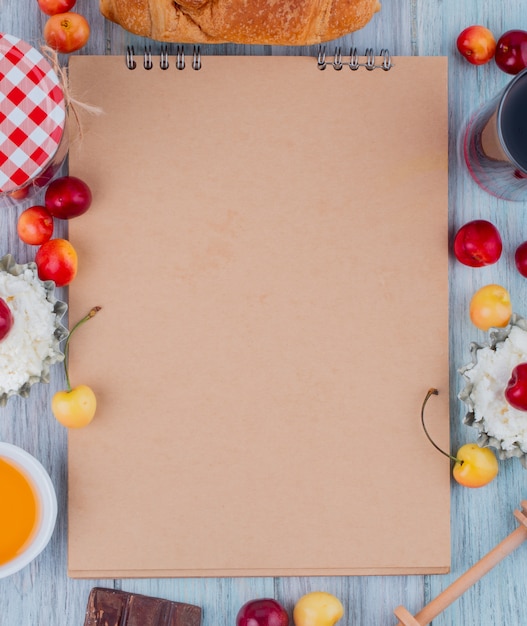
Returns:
(18, 511)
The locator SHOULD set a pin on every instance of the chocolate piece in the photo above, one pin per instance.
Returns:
(109, 607)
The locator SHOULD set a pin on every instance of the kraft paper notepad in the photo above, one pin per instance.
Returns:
(268, 242)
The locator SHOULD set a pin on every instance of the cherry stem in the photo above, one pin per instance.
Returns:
(82, 321)
(434, 392)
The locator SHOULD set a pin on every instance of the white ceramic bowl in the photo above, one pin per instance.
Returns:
(47, 499)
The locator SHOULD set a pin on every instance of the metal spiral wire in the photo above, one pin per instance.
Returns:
(164, 58)
(354, 62)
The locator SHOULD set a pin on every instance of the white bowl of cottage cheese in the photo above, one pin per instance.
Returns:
(500, 425)
(33, 343)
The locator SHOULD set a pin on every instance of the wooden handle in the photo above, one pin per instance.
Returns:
(469, 578)
(405, 617)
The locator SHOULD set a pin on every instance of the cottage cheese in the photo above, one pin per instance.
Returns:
(30, 340)
(489, 377)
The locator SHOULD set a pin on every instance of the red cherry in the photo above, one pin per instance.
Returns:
(57, 260)
(511, 51)
(478, 243)
(520, 258)
(477, 44)
(262, 612)
(516, 390)
(6, 319)
(67, 197)
(35, 225)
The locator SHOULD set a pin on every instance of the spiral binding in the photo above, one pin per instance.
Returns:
(164, 61)
(354, 60)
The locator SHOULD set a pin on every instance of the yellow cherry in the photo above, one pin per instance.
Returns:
(490, 307)
(74, 408)
(475, 466)
(317, 608)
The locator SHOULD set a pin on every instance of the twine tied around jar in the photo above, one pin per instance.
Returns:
(72, 104)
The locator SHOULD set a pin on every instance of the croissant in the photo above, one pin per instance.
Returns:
(273, 22)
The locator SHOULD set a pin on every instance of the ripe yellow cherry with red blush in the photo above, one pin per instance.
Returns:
(490, 307)
(74, 407)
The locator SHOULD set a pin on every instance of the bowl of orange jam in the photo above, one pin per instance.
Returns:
(28, 508)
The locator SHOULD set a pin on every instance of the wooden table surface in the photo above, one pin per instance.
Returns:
(42, 594)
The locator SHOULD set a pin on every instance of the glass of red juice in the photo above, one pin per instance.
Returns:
(494, 142)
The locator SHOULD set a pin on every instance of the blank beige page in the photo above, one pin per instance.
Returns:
(269, 246)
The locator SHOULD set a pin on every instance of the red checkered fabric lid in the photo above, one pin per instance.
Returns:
(32, 113)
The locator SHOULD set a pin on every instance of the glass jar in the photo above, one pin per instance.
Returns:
(494, 144)
(33, 136)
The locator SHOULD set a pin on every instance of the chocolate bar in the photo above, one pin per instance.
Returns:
(110, 607)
